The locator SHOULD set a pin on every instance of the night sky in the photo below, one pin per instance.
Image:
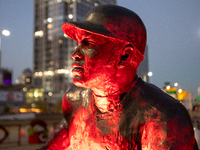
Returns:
(173, 29)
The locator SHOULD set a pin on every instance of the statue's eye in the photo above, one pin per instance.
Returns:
(88, 47)
(89, 44)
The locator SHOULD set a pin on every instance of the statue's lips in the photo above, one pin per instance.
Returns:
(77, 70)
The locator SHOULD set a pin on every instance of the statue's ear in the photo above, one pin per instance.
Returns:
(126, 55)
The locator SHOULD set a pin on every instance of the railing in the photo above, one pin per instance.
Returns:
(11, 133)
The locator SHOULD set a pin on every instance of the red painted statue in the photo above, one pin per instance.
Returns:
(110, 107)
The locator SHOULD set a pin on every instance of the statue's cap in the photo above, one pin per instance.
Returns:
(112, 21)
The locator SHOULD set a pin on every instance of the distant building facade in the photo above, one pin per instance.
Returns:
(11, 98)
(52, 49)
(25, 77)
(143, 69)
(5, 76)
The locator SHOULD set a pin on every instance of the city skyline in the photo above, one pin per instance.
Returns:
(173, 39)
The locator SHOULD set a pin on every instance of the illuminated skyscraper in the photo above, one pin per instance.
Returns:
(52, 50)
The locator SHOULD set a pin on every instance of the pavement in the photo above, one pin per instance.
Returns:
(18, 131)
(24, 146)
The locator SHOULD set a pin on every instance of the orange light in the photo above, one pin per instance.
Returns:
(182, 95)
(23, 110)
(36, 110)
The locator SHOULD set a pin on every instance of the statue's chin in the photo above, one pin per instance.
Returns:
(78, 82)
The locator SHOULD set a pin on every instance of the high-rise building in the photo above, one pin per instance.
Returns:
(52, 49)
(143, 69)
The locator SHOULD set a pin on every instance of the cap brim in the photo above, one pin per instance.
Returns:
(73, 29)
(76, 30)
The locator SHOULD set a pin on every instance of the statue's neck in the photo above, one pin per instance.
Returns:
(104, 98)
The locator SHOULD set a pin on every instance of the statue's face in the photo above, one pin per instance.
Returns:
(94, 63)
(98, 65)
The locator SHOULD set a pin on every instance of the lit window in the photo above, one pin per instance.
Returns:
(28, 80)
(62, 71)
(70, 16)
(49, 19)
(17, 81)
(36, 74)
(50, 93)
(60, 41)
(49, 26)
(48, 73)
(51, 62)
(35, 94)
(30, 94)
(39, 33)
(96, 4)
(59, 1)
(24, 89)
(40, 73)
(66, 71)
(71, 6)
(33, 105)
(40, 94)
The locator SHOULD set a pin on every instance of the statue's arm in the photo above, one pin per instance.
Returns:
(60, 138)
(172, 134)
(166, 123)
(73, 98)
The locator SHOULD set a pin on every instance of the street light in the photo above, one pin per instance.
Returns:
(150, 74)
(176, 84)
(180, 90)
(168, 87)
(5, 33)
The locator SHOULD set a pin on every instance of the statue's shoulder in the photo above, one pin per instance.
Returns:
(149, 98)
(157, 97)
(74, 98)
(156, 102)
(77, 94)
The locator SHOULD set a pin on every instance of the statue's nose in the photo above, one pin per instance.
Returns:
(77, 54)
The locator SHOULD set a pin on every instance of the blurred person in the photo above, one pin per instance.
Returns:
(110, 107)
